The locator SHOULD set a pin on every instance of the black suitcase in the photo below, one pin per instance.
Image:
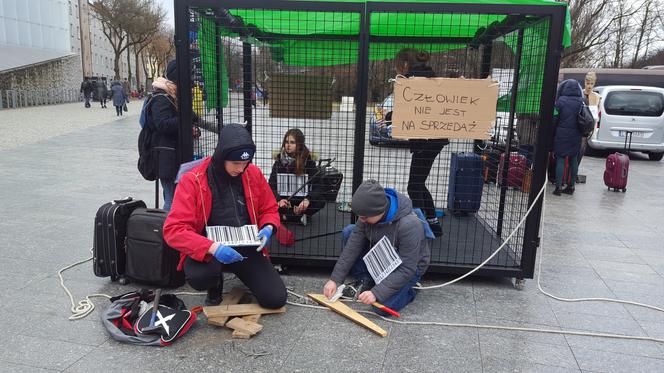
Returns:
(150, 260)
(108, 249)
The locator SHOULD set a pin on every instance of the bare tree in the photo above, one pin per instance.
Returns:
(157, 53)
(590, 27)
(126, 23)
(643, 30)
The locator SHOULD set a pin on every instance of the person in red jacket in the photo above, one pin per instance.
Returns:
(226, 190)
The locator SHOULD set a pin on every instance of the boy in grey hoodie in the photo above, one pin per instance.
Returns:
(383, 212)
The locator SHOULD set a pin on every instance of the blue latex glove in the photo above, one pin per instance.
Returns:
(264, 235)
(227, 255)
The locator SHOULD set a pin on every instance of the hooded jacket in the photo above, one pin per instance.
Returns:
(406, 233)
(192, 204)
(567, 138)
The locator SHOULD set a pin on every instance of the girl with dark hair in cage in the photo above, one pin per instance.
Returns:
(293, 179)
(413, 62)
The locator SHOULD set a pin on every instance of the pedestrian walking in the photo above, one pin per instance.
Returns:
(102, 92)
(119, 97)
(86, 89)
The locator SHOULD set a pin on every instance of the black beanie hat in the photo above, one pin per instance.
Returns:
(369, 199)
(235, 144)
(172, 71)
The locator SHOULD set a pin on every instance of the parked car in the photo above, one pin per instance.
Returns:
(635, 109)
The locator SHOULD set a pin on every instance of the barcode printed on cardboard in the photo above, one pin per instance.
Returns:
(234, 236)
(287, 184)
(381, 260)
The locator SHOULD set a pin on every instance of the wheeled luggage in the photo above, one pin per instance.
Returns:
(108, 249)
(464, 193)
(150, 260)
(516, 169)
(617, 167)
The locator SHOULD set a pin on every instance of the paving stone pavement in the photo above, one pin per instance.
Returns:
(60, 163)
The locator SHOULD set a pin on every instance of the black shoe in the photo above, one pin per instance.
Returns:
(214, 297)
(569, 190)
(557, 192)
(436, 227)
(356, 287)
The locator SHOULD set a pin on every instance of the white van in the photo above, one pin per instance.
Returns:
(636, 109)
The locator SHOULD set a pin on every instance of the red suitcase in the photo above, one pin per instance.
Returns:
(515, 171)
(617, 168)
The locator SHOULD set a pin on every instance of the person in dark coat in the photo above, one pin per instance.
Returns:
(295, 159)
(119, 97)
(162, 115)
(102, 92)
(86, 89)
(567, 138)
(413, 62)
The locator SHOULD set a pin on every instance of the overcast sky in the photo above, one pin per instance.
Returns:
(168, 7)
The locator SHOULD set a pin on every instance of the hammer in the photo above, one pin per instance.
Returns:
(381, 307)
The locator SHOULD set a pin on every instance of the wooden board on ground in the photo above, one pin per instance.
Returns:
(242, 335)
(232, 298)
(248, 327)
(239, 310)
(349, 313)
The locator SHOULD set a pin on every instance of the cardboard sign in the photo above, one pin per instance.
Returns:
(444, 108)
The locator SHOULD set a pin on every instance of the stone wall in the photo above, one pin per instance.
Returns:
(55, 81)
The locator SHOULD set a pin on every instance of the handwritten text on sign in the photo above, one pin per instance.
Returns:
(443, 108)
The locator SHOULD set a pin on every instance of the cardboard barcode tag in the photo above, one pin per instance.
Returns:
(382, 260)
(246, 235)
(287, 184)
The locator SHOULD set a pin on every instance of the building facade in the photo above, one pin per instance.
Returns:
(48, 47)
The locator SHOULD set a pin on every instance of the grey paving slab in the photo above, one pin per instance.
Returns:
(603, 361)
(519, 351)
(492, 364)
(432, 349)
(16, 368)
(41, 352)
(602, 324)
(619, 254)
(620, 346)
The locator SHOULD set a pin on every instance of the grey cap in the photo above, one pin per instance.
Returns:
(369, 199)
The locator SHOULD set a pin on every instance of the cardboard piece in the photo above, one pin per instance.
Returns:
(239, 310)
(245, 326)
(444, 108)
(242, 335)
(232, 298)
(349, 313)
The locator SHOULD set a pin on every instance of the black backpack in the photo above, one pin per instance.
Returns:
(146, 163)
(585, 122)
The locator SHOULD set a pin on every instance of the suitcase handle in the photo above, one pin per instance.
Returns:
(123, 200)
(154, 211)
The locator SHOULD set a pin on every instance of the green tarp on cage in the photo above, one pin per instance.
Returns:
(279, 24)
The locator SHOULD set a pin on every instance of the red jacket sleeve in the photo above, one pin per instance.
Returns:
(185, 220)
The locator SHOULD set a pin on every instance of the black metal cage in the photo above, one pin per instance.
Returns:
(325, 67)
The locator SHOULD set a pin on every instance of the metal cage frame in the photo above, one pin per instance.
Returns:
(555, 15)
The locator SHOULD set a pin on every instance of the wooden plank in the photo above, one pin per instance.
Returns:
(239, 310)
(232, 298)
(243, 335)
(348, 313)
(245, 326)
